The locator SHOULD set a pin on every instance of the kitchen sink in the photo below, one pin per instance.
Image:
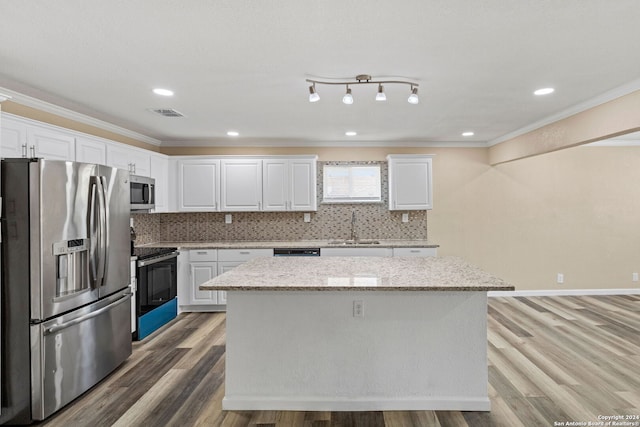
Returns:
(354, 242)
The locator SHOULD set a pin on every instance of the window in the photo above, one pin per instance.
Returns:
(351, 184)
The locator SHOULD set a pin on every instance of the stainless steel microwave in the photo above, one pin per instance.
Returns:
(143, 193)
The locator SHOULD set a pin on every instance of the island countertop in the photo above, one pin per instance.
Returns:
(357, 273)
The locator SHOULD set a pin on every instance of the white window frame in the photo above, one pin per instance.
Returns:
(326, 198)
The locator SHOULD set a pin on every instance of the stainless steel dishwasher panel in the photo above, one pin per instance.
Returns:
(71, 353)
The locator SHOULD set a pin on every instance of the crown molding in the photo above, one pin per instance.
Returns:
(623, 90)
(47, 107)
(4, 97)
(301, 143)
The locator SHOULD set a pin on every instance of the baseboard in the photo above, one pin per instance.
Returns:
(448, 403)
(564, 292)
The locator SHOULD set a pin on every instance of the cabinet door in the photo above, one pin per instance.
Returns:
(50, 144)
(241, 185)
(136, 161)
(198, 182)
(415, 252)
(410, 184)
(353, 251)
(302, 185)
(13, 138)
(160, 172)
(275, 184)
(200, 273)
(91, 151)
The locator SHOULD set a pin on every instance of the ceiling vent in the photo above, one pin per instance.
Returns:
(167, 112)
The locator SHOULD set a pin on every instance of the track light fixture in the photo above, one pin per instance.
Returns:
(348, 98)
(313, 95)
(360, 80)
(413, 98)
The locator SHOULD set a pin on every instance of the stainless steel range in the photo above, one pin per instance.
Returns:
(65, 301)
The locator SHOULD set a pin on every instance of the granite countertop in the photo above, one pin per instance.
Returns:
(357, 273)
(291, 244)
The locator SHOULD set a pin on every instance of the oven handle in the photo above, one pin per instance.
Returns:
(146, 262)
(87, 316)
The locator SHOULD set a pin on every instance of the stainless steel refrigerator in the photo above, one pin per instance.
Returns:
(66, 306)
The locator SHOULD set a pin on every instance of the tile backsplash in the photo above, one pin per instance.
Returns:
(330, 221)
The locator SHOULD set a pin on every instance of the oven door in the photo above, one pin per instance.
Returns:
(156, 282)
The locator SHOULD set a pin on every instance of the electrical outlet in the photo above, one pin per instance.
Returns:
(358, 308)
(560, 278)
(405, 217)
(634, 277)
(307, 217)
(228, 219)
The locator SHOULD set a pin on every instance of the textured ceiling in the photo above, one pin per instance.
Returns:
(242, 65)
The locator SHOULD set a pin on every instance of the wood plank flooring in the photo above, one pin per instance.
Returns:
(551, 360)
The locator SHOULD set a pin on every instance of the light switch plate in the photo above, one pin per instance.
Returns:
(307, 217)
(228, 219)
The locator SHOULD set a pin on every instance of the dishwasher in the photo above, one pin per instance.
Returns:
(296, 252)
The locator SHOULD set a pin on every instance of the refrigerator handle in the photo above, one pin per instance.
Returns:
(102, 230)
(61, 326)
(93, 231)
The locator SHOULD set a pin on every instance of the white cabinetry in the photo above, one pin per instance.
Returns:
(26, 138)
(410, 182)
(135, 160)
(197, 266)
(198, 182)
(289, 184)
(89, 150)
(13, 139)
(356, 251)
(160, 172)
(203, 267)
(415, 252)
(241, 184)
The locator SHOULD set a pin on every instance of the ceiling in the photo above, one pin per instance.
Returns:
(241, 65)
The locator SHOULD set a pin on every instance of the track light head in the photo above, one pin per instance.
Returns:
(413, 98)
(348, 98)
(380, 96)
(313, 95)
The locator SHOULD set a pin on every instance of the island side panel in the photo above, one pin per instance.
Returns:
(305, 350)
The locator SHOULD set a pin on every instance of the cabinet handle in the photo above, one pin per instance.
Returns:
(414, 251)
(201, 252)
(24, 150)
(33, 151)
(134, 167)
(244, 253)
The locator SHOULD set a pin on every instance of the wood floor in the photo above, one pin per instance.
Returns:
(552, 360)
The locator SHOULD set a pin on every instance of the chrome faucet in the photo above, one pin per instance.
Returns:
(354, 236)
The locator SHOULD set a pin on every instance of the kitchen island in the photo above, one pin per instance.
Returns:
(356, 333)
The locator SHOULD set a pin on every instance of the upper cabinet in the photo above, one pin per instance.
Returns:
(410, 182)
(22, 138)
(160, 172)
(13, 139)
(289, 184)
(89, 150)
(241, 184)
(135, 160)
(198, 182)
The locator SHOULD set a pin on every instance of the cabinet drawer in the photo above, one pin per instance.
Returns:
(379, 252)
(417, 252)
(197, 255)
(242, 254)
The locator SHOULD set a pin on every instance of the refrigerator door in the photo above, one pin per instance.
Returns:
(71, 353)
(60, 197)
(118, 239)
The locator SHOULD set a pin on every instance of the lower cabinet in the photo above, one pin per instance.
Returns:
(415, 252)
(197, 266)
(356, 251)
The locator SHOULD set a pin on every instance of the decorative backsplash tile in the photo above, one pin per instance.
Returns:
(331, 221)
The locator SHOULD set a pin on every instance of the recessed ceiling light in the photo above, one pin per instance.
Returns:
(544, 91)
(233, 133)
(467, 133)
(163, 92)
(351, 133)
